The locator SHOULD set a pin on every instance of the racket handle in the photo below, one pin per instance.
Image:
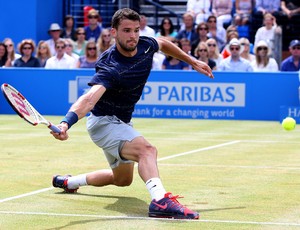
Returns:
(54, 128)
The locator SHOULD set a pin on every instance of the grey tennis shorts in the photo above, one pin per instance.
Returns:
(110, 134)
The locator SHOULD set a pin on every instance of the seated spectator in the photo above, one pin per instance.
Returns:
(166, 29)
(292, 63)
(189, 31)
(235, 63)
(173, 63)
(90, 58)
(80, 43)
(201, 53)
(200, 9)
(263, 7)
(242, 16)
(243, 11)
(268, 31)
(105, 41)
(10, 46)
(94, 28)
(263, 62)
(226, 52)
(158, 59)
(69, 49)
(222, 9)
(216, 32)
(26, 49)
(186, 47)
(43, 53)
(145, 30)
(202, 31)
(4, 60)
(54, 31)
(213, 51)
(61, 60)
(69, 31)
(290, 17)
(245, 44)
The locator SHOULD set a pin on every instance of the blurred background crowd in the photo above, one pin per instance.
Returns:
(229, 35)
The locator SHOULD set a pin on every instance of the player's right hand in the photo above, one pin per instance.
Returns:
(63, 135)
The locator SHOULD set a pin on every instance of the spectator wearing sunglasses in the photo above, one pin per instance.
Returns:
(94, 28)
(61, 60)
(213, 51)
(292, 63)
(263, 62)
(26, 49)
(202, 31)
(235, 63)
(11, 53)
(90, 58)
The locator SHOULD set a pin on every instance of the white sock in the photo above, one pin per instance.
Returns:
(76, 181)
(156, 189)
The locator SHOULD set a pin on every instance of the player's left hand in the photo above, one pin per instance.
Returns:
(202, 67)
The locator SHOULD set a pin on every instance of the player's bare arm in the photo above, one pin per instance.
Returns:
(81, 107)
(169, 48)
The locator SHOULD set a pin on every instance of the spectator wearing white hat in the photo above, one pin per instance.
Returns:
(54, 31)
(235, 63)
(263, 62)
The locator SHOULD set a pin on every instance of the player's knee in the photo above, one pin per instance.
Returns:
(123, 182)
(148, 151)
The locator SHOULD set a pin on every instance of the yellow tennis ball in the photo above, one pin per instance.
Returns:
(288, 123)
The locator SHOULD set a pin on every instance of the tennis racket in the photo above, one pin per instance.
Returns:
(24, 109)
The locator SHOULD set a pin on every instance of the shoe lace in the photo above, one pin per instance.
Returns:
(174, 200)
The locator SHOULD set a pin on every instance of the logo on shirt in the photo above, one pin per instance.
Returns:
(146, 51)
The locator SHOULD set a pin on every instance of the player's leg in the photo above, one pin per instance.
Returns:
(163, 205)
(119, 176)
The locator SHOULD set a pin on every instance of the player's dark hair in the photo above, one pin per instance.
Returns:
(123, 14)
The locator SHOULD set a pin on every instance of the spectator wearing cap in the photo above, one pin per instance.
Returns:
(235, 63)
(94, 28)
(54, 31)
(292, 63)
(263, 62)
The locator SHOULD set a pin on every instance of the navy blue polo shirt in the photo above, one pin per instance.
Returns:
(124, 79)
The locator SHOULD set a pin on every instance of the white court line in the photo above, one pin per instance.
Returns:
(234, 166)
(199, 150)
(26, 194)
(160, 159)
(147, 218)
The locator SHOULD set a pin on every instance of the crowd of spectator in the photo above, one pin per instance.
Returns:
(235, 35)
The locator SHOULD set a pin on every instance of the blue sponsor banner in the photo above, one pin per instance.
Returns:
(167, 94)
(290, 111)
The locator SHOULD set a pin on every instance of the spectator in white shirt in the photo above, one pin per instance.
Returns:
(61, 60)
(263, 62)
(54, 31)
(145, 30)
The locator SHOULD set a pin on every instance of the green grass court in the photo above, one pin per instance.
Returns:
(237, 174)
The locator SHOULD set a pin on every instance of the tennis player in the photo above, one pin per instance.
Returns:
(121, 74)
